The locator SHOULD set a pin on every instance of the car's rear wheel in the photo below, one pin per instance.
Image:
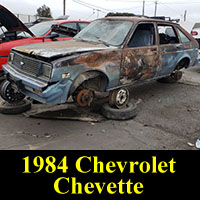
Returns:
(173, 78)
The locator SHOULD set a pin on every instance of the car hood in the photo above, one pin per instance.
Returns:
(59, 49)
(11, 22)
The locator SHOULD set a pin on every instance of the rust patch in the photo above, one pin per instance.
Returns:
(98, 59)
(139, 64)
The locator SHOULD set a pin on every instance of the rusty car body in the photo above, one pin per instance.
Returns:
(109, 53)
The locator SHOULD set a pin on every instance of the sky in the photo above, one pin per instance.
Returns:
(99, 8)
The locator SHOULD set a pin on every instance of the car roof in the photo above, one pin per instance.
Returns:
(67, 21)
(139, 19)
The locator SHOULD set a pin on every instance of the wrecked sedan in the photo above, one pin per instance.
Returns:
(14, 33)
(108, 55)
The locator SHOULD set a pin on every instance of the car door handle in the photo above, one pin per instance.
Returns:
(179, 46)
(154, 50)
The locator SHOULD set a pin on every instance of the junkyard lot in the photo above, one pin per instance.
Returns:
(168, 118)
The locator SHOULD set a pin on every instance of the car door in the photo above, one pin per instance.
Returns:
(140, 58)
(169, 48)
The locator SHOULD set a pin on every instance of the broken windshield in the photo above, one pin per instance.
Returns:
(109, 32)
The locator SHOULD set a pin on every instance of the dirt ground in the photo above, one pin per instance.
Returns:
(168, 118)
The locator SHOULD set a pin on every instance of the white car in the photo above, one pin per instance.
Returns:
(196, 32)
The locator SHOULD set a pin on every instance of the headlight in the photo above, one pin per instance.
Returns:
(46, 70)
(11, 57)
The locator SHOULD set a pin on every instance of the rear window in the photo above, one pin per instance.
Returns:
(167, 34)
(183, 37)
(197, 25)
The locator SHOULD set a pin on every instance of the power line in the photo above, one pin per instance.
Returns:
(92, 6)
(169, 7)
(90, 15)
(128, 1)
(135, 7)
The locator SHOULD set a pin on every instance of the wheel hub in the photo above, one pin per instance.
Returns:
(85, 97)
(119, 98)
(177, 75)
(10, 93)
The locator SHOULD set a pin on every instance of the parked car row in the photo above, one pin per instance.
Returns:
(14, 33)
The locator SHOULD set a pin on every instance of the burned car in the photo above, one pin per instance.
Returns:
(108, 55)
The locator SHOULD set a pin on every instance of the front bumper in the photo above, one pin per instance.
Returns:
(41, 91)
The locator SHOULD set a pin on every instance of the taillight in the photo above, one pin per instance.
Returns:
(194, 33)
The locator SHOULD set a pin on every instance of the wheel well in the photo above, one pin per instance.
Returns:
(184, 63)
(93, 80)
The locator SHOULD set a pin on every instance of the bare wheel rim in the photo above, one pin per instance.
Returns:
(11, 94)
(119, 98)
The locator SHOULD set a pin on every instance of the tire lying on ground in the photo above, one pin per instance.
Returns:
(128, 112)
(14, 108)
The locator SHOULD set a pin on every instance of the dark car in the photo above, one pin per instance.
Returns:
(108, 55)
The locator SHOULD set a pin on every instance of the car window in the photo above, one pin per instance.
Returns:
(108, 32)
(71, 25)
(42, 28)
(144, 35)
(167, 34)
(3, 30)
(82, 25)
(183, 37)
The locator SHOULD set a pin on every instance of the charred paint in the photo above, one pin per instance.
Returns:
(139, 64)
(99, 59)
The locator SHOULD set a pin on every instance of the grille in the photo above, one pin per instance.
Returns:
(31, 66)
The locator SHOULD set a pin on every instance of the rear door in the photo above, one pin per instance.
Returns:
(169, 48)
(140, 58)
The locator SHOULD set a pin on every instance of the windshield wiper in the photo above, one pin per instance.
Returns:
(80, 39)
(91, 41)
(103, 42)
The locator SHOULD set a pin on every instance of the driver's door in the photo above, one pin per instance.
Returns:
(140, 58)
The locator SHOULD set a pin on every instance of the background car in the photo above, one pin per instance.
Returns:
(196, 32)
(14, 33)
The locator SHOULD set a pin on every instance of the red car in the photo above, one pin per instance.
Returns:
(14, 33)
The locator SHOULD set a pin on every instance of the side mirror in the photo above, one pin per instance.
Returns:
(52, 36)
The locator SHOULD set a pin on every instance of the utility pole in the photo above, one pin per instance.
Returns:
(185, 15)
(64, 7)
(97, 13)
(143, 7)
(156, 3)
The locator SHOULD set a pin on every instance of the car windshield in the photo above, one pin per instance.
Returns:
(42, 28)
(108, 32)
